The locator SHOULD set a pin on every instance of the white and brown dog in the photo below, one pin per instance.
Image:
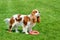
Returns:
(26, 21)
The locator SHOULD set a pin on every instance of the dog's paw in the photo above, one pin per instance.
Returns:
(26, 33)
(17, 31)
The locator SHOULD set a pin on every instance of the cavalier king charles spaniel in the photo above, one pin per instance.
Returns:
(26, 21)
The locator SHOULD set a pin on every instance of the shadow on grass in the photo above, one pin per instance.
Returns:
(20, 31)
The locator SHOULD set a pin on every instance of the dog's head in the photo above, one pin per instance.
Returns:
(36, 13)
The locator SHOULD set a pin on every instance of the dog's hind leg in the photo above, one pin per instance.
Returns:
(10, 28)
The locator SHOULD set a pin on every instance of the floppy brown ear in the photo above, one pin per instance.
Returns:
(38, 19)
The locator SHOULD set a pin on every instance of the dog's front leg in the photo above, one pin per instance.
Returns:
(30, 29)
(25, 29)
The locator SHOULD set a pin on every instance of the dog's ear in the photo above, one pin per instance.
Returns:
(38, 19)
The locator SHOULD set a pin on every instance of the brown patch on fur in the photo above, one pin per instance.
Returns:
(38, 19)
(26, 19)
(12, 21)
(18, 19)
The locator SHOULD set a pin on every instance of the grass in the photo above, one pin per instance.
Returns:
(49, 27)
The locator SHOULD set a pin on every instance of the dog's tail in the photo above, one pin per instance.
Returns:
(7, 20)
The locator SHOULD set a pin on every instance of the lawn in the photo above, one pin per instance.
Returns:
(49, 27)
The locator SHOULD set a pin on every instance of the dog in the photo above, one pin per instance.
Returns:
(26, 21)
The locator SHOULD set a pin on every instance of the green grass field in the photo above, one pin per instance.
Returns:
(49, 27)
